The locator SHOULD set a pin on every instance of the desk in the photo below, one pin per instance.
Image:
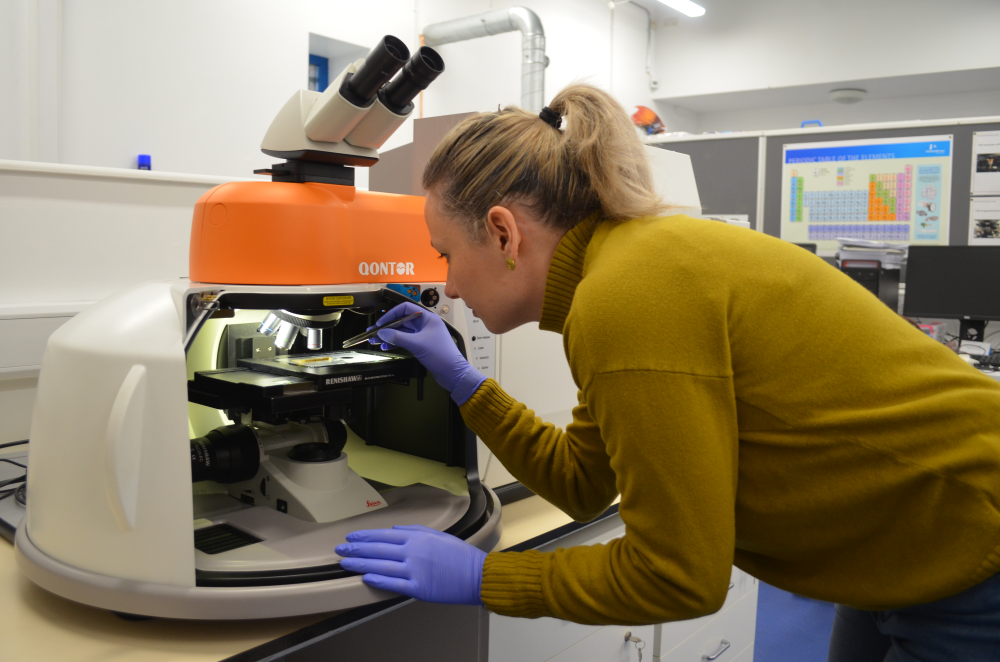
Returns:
(41, 626)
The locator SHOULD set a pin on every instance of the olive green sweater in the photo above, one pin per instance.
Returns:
(752, 405)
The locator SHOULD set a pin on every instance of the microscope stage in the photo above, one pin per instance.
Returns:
(295, 382)
(340, 368)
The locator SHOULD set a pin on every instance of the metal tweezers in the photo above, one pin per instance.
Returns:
(361, 337)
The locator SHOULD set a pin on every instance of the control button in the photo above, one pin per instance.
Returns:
(430, 297)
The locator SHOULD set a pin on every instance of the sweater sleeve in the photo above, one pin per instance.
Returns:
(570, 469)
(673, 442)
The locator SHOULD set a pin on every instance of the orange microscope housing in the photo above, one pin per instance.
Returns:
(285, 233)
(260, 233)
(226, 492)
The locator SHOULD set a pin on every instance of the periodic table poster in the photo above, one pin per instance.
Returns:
(894, 190)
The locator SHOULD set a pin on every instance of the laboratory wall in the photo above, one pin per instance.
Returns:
(741, 45)
(9, 106)
(196, 83)
(193, 84)
(770, 64)
(917, 107)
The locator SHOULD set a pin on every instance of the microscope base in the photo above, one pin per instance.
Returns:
(212, 603)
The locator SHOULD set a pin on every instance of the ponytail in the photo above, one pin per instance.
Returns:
(595, 165)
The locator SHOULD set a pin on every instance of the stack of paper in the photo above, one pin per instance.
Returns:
(891, 256)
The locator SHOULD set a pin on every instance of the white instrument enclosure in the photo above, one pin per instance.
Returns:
(109, 453)
(110, 516)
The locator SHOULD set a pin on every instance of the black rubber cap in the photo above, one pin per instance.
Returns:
(388, 56)
(313, 451)
(425, 65)
(418, 72)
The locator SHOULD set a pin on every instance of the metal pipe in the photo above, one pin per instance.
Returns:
(522, 19)
(649, 48)
(653, 84)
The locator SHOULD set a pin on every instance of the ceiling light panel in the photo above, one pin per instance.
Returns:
(685, 7)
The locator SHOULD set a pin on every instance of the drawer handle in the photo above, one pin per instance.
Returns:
(723, 647)
(731, 585)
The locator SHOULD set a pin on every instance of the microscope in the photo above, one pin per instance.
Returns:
(200, 446)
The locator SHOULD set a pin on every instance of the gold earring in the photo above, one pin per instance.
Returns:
(510, 264)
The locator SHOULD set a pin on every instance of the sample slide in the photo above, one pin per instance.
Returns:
(986, 163)
(984, 221)
(893, 189)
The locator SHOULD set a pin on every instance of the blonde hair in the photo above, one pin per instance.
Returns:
(596, 165)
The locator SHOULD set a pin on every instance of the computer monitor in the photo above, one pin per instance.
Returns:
(954, 282)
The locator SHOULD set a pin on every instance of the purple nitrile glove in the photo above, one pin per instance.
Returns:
(427, 338)
(416, 561)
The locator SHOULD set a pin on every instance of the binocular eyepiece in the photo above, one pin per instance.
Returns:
(375, 76)
(369, 103)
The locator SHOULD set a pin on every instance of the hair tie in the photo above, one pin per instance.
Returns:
(551, 117)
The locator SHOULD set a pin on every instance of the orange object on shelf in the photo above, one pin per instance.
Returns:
(278, 233)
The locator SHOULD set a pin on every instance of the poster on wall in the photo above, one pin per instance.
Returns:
(986, 163)
(891, 189)
(984, 221)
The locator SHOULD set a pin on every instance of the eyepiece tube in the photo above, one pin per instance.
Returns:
(380, 65)
(419, 72)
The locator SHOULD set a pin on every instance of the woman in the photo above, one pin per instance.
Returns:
(750, 404)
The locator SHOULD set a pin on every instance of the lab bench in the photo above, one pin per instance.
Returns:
(41, 626)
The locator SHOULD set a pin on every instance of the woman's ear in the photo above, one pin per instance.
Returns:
(504, 231)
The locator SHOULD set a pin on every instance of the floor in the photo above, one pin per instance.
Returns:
(791, 628)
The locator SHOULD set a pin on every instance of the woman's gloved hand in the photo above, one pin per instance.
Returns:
(416, 561)
(427, 338)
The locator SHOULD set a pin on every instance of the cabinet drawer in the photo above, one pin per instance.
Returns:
(608, 645)
(745, 656)
(671, 635)
(743, 584)
(543, 639)
(537, 640)
(533, 640)
(733, 630)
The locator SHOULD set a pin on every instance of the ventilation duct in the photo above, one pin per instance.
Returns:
(522, 19)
